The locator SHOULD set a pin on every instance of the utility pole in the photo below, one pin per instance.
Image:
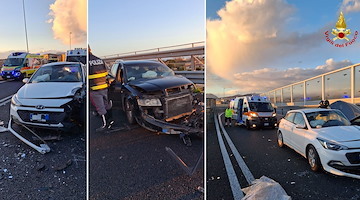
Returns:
(27, 43)
(70, 41)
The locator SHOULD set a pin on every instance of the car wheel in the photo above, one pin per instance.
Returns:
(129, 111)
(313, 158)
(248, 125)
(280, 139)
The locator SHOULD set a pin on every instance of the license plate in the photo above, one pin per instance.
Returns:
(266, 124)
(39, 117)
(7, 76)
(266, 119)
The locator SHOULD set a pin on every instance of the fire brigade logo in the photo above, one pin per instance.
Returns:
(341, 33)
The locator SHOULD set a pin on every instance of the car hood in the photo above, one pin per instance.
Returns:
(161, 83)
(47, 90)
(341, 134)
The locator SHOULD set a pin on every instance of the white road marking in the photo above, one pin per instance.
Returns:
(5, 81)
(234, 182)
(5, 100)
(244, 168)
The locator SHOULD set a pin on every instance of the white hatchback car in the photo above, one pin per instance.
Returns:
(325, 137)
(54, 97)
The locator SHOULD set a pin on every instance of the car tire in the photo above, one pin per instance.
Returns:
(280, 139)
(313, 158)
(129, 111)
(248, 125)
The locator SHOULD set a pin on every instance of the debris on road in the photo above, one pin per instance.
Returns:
(265, 189)
(64, 166)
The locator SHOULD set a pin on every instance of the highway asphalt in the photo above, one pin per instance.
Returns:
(259, 150)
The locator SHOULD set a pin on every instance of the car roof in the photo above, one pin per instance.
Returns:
(129, 62)
(61, 63)
(310, 110)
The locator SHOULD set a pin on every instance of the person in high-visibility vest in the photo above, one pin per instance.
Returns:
(99, 90)
(228, 116)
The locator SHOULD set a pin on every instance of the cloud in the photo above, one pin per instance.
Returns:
(69, 16)
(271, 78)
(251, 34)
(348, 6)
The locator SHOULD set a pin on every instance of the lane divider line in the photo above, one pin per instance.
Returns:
(5, 100)
(244, 168)
(5, 81)
(234, 182)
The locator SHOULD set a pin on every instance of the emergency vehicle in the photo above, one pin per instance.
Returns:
(52, 57)
(19, 65)
(253, 112)
(76, 55)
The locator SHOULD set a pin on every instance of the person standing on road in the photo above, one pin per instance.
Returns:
(228, 116)
(99, 90)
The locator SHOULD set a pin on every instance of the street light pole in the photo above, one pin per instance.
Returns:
(70, 41)
(27, 43)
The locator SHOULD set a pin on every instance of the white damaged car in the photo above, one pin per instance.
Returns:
(325, 137)
(54, 97)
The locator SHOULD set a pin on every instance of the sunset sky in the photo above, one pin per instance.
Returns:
(258, 45)
(49, 24)
(133, 25)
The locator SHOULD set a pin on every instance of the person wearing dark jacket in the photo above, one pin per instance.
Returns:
(99, 90)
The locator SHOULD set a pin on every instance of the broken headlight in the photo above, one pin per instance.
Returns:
(149, 102)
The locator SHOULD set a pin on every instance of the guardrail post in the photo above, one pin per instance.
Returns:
(193, 63)
(352, 84)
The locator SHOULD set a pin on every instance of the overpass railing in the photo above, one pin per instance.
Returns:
(342, 84)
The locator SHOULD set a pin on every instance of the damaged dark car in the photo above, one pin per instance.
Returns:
(151, 95)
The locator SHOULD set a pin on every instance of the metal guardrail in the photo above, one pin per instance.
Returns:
(195, 76)
(341, 84)
(155, 50)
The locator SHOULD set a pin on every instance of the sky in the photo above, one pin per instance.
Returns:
(49, 23)
(134, 25)
(255, 46)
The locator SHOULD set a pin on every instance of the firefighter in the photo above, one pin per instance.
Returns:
(99, 90)
(228, 116)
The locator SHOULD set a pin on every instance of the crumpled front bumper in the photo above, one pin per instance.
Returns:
(156, 125)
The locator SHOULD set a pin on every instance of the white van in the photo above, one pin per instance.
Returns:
(253, 112)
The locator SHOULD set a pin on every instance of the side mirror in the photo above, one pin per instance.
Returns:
(25, 80)
(300, 126)
(110, 79)
(246, 110)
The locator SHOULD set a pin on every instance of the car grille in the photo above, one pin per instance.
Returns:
(178, 105)
(354, 158)
(54, 117)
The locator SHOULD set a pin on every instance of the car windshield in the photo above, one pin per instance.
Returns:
(261, 107)
(57, 73)
(327, 118)
(13, 62)
(135, 72)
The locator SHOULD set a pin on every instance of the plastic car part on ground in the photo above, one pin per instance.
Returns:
(42, 148)
(265, 189)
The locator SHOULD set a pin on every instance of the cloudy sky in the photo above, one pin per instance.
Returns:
(133, 25)
(259, 45)
(49, 23)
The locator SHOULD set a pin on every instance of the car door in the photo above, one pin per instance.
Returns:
(285, 127)
(299, 130)
(115, 85)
